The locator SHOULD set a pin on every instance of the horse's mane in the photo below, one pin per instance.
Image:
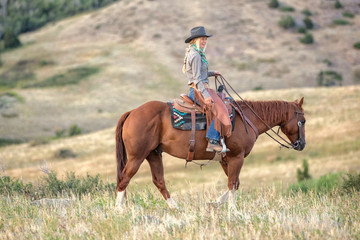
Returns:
(270, 111)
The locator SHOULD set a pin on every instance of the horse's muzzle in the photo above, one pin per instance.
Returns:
(299, 144)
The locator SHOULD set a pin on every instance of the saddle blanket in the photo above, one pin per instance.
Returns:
(182, 121)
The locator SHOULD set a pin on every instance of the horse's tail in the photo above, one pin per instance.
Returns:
(121, 157)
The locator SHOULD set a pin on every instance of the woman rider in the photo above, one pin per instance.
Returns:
(196, 69)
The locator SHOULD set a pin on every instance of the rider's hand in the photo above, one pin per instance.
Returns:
(217, 73)
(209, 101)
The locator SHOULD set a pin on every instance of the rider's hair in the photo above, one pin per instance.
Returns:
(195, 41)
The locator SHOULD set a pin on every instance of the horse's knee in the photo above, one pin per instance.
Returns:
(159, 183)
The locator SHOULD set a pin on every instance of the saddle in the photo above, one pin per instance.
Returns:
(188, 115)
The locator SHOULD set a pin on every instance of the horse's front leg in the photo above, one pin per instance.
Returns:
(234, 168)
(224, 197)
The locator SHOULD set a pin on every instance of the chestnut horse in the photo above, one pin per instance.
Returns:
(146, 132)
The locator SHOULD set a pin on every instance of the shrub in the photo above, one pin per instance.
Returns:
(301, 30)
(340, 22)
(306, 12)
(64, 153)
(308, 23)
(337, 4)
(356, 74)
(328, 62)
(50, 186)
(329, 78)
(258, 88)
(302, 175)
(74, 130)
(348, 14)
(307, 39)
(59, 133)
(357, 45)
(351, 183)
(324, 184)
(287, 22)
(10, 39)
(5, 142)
(10, 186)
(273, 4)
(287, 9)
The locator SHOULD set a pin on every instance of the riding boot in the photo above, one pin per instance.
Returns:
(213, 146)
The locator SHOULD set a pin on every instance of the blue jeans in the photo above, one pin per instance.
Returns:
(211, 133)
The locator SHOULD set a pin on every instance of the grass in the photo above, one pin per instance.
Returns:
(5, 141)
(265, 213)
(341, 22)
(71, 77)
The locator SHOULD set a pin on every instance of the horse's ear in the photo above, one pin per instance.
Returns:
(301, 102)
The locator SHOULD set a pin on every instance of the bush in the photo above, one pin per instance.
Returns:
(306, 12)
(302, 175)
(10, 39)
(357, 45)
(308, 23)
(329, 78)
(351, 183)
(307, 39)
(340, 22)
(287, 22)
(287, 9)
(302, 30)
(337, 4)
(5, 142)
(348, 15)
(258, 88)
(74, 130)
(273, 4)
(356, 74)
(10, 186)
(50, 186)
(324, 184)
(64, 153)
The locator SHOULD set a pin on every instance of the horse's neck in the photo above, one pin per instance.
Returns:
(273, 113)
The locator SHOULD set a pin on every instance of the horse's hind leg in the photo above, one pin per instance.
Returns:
(157, 171)
(131, 167)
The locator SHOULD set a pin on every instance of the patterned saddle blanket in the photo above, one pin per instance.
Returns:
(182, 120)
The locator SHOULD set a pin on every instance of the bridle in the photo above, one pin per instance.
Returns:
(300, 124)
(289, 145)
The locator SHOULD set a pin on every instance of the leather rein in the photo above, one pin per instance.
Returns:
(289, 145)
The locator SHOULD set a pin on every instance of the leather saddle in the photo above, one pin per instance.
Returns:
(186, 105)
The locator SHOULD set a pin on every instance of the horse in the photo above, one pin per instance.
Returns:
(146, 132)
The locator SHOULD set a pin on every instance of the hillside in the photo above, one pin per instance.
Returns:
(132, 52)
(332, 135)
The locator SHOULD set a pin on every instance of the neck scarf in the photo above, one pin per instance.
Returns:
(202, 54)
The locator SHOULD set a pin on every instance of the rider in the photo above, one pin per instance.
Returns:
(196, 69)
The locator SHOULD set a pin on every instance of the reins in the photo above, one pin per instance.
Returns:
(225, 83)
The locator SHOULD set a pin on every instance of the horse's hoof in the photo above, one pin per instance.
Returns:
(172, 204)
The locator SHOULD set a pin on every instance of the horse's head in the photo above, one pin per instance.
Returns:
(294, 127)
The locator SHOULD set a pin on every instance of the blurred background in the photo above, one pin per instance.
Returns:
(70, 68)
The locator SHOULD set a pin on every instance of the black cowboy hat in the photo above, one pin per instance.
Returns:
(197, 32)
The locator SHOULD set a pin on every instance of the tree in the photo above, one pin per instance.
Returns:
(10, 39)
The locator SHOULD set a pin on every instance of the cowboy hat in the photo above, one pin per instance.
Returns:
(197, 32)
